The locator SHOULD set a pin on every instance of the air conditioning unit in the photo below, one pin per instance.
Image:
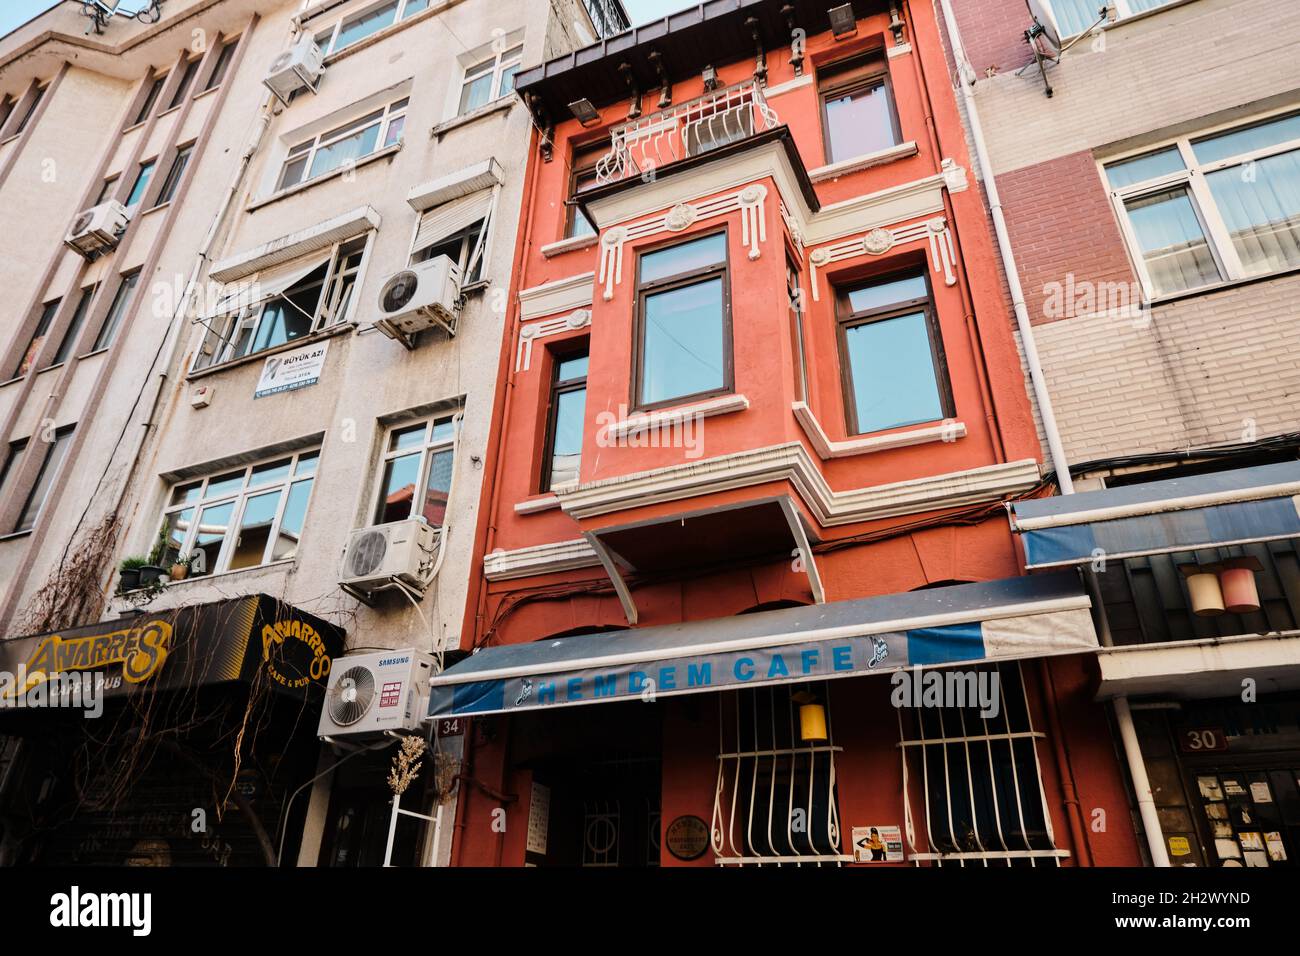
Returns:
(405, 550)
(300, 67)
(418, 298)
(96, 231)
(372, 693)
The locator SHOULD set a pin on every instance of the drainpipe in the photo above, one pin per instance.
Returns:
(1060, 463)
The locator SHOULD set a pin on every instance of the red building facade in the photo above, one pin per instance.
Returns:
(760, 413)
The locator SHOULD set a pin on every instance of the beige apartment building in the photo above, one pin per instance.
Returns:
(1145, 156)
(257, 255)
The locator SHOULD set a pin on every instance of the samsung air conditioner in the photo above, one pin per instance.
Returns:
(97, 230)
(418, 298)
(297, 68)
(401, 551)
(375, 693)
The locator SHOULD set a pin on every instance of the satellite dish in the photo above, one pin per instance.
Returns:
(1038, 10)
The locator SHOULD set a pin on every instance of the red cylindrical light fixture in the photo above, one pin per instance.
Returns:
(1237, 582)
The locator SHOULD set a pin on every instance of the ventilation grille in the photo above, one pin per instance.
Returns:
(351, 696)
(367, 554)
(398, 291)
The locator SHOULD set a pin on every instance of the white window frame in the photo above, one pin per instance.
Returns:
(496, 65)
(241, 497)
(382, 116)
(335, 28)
(1193, 178)
(429, 446)
(223, 333)
(1123, 11)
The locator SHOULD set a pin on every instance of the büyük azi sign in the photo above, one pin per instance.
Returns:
(292, 370)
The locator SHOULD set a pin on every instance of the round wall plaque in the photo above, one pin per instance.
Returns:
(687, 838)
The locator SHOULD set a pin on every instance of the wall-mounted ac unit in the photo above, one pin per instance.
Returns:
(405, 550)
(297, 68)
(97, 230)
(373, 693)
(421, 297)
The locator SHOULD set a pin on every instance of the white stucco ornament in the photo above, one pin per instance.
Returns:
(877, 241)
(579, 318)
(681, 216)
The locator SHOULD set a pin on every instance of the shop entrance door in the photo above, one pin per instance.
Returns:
(1249, 810)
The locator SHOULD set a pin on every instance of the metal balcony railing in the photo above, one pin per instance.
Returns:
(704, 124)
(609, 17)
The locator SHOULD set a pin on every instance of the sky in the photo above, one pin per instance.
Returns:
(14, 13)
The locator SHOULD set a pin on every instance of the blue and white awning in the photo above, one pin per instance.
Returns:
(966, 623)
(1181, 514)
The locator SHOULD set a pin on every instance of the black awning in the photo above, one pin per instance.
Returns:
(182, 648)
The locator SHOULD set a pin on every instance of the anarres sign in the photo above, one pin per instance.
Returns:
(186, 647)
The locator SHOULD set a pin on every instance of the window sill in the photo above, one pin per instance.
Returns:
(9, 139)
(15, 535)
(569, 245)
(10, 381)
(153, 209)
(134, 126)
(385, 153)
(502, 104)
(171, 109)
(845, 166)
(93, 352)
(208, 92)
(339, 328)
(168, 583)
(546, 502)
(947, 431)
(1222, 287)
(639, 422)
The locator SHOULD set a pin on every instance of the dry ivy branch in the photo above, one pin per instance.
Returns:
(406, 764)
(74, 594)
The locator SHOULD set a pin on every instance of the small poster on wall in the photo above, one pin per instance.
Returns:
(290, 371)
(879, 844)
(539, 818)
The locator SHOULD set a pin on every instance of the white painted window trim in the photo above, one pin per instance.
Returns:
(511, 54)
(390, 113)
(947, 431)
(241, 498)
(336, 25)
(428, 447)
(671, 418)
(1123, 10)
(1193, 177)
(855, 163)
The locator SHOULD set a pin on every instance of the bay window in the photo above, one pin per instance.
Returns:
(243, 518)
(284, 304)
(1212, 208)
(335, 148)
(416, 470)
(893, 369)
(683, 343)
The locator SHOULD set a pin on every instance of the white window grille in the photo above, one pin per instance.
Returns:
(775, 802)
(978, 781)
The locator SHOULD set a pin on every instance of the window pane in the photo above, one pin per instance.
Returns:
(507, 83)
(141, 184)
(214, 524)
(476, 92)
(255, 530)
(372, 21)
(437, 487)
(412, 437)
(1247, 140)
(397, 492)
(444, 429)
(394, 134)
(1171, 241)
(74, 327)
(349, 149)
(570, 368)
(1141, 168)
(185, 494)
(293, 173)
(224, 485)
(44, 479)
(884, 294)
(183, 86)
(684, 257)
(566, 444)
(28, 358)
(1260, 205)
(121, 301)
(306, 464)
(223, 63)
(859, 122)
(893, 375)
(12, 454)
(414, 6)
(1075, 16)
(682, 348)
(295, 510)
(174, 533)
(173, 180)
(271, 471)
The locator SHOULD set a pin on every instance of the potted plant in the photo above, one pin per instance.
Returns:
(152, 571)
(180, 569)
(129, 573)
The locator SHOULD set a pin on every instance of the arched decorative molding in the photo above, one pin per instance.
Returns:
(749, 201)
(880, 240)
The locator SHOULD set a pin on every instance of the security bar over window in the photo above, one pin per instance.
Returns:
(775, 802)
(978, 781)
